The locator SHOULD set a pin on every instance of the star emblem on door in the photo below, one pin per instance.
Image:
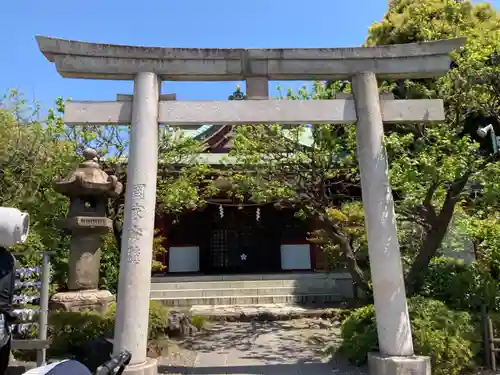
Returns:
(243, 257)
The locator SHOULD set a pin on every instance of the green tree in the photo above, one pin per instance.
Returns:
(436, 170)
(309, 170)
(34, 151)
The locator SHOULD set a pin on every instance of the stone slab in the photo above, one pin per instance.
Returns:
(233, 292)
(211, 359)
(249, 284)
(265, 277)
(390, 365)
(245, 284)
(269, 312)
(187, 113)
(77, 59)
(312, 299)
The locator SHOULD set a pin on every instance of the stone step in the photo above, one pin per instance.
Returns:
(325, 280)
(252, 300)
(284, 288)
(234, 292)
(172, 277)
(244, 284)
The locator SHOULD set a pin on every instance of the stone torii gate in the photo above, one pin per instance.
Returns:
(148, 66)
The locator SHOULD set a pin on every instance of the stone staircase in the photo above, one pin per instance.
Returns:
(289, 288)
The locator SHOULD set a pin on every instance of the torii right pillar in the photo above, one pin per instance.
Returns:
(396, 354)
(393, 324)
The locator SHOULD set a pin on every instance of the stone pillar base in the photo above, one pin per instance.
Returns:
(150, 367)
(83, 300)
(388, 365)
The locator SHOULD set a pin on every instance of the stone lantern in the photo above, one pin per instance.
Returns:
(88, 188)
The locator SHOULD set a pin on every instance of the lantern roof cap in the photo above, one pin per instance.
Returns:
(88, 179)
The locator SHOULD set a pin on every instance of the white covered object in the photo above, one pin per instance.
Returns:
(184, 259)
(14, 226)
(296, 257)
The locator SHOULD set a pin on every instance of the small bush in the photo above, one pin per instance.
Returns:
(198, 321)
(70, 331)
(448, 337)
(359, 335)
(461, 286)
(158, 319)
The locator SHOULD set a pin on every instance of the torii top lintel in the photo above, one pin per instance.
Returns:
(76, 59)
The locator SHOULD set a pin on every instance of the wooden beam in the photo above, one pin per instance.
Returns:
(194, 113)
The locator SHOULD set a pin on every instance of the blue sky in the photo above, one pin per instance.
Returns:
(186, 23)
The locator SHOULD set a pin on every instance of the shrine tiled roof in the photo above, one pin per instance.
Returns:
(219, 137)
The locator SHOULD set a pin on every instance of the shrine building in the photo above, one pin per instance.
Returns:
(228, 238)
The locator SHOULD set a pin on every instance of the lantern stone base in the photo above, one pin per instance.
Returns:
(82, 300)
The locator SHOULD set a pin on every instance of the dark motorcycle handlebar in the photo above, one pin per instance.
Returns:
(119, 361)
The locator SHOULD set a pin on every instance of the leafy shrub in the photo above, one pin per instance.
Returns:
(461, 286)
(158, 319)
(359, 335)
(70, 331)
(448, 337)
(110, 261)
(198, 321)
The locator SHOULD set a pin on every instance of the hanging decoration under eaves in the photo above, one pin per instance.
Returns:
(221, 212)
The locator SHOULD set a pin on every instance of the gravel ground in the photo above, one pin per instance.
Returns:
(290, 347)
(178, 356)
